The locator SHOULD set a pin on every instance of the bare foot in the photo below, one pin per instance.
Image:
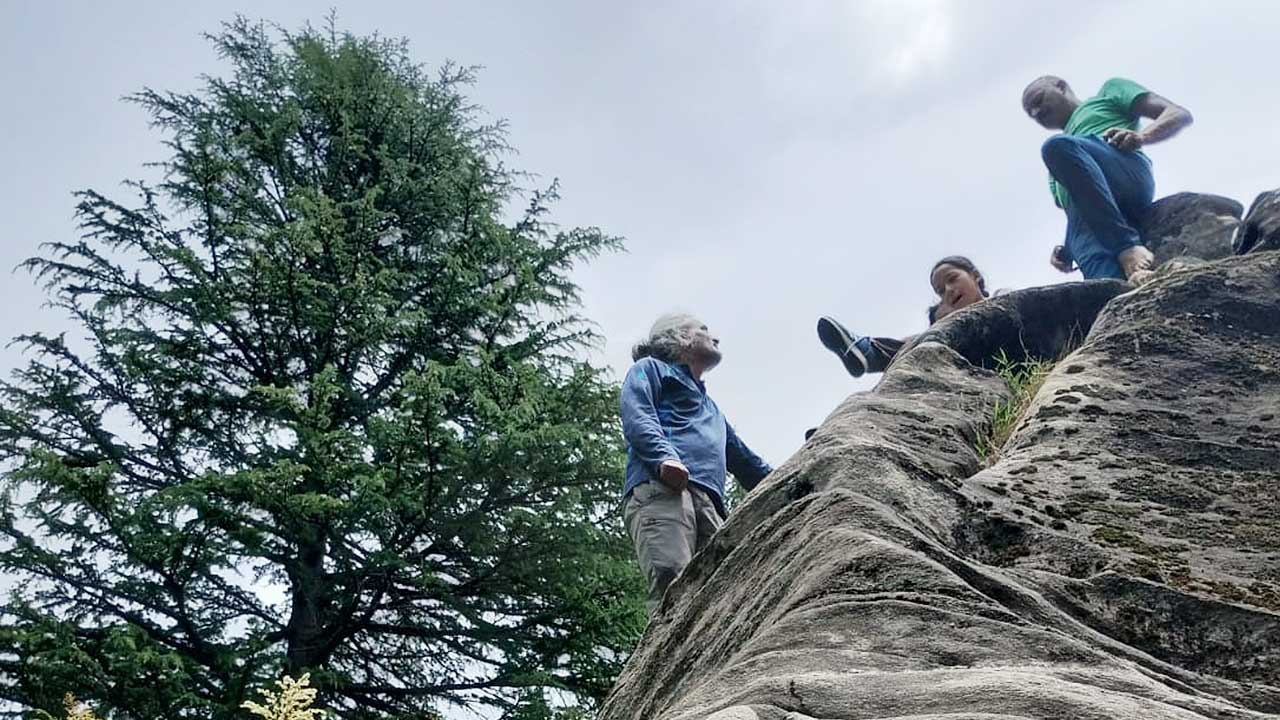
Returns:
(1141, 277)
(1134, 259)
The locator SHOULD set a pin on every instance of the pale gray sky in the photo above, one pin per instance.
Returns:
(768, 162)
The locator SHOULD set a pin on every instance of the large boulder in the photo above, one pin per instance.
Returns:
(1120, 559)
(1261, 227)
(1031, 323)
(1191, 224)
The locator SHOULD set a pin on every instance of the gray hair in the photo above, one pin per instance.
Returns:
(670, 335)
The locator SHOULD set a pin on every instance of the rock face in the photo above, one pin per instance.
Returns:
(1120, 559)
(1192, 224)
(1260, 230)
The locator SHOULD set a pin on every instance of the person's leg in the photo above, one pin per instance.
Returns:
(707, 515)
(858, 354)
(1095, 175)
(663, 529)
(886, 349)
(1100, 265)
(1093, 258)
(1137, 190)
(1128, 176)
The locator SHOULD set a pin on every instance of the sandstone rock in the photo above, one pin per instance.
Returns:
(1261, 227)
(1036, 322)
(737, 712)
(1121, 560)
(1191, 224)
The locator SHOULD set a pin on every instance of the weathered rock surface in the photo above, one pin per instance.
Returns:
(1192, 224)
(1260, 230)
(1121, 559)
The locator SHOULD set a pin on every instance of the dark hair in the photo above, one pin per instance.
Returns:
(964, 264)
(654, 349)
(933, 313)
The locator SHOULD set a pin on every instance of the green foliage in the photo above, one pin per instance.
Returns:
(1024, 380)
(325, 415)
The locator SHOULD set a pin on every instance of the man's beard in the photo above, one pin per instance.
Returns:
(708, 356)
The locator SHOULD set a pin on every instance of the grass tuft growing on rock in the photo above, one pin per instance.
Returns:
(1024, 380)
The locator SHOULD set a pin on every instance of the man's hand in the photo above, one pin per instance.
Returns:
(1058, 259)
(674, 475)
(1122, 139)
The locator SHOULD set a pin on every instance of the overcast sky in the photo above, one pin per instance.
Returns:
(767, 162)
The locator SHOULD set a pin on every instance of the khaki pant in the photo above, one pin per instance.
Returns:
(667, 529)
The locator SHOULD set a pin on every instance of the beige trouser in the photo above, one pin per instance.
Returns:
(667, 530)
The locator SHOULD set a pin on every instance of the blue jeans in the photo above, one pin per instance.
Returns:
(1110, 190)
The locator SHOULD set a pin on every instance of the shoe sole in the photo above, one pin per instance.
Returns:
(838, 340)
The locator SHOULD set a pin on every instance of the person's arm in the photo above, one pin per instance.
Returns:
(747, 467)
(1167, 118)
(642, 429)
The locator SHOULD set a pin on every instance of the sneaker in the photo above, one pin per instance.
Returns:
(852, 349)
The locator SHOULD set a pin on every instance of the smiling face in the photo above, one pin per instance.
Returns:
(956, 288)
(1049, 101)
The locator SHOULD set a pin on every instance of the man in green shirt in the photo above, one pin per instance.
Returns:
(1097, 173)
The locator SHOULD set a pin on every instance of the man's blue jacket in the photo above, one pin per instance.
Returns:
(667, 415)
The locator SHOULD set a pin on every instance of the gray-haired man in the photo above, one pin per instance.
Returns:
(679, 446)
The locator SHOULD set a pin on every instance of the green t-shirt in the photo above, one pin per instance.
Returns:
(1112, 107)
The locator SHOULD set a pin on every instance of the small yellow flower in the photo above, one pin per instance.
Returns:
(293, 702)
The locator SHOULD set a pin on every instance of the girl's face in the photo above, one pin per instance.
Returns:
(956, 288)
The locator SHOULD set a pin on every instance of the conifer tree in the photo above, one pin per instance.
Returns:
(325, 413)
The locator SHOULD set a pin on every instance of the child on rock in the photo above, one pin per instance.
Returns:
(958, 284)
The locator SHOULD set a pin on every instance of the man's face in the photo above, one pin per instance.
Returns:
(704, 348)
(1049, 103)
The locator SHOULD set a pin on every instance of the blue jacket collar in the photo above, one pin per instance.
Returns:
(684, 368)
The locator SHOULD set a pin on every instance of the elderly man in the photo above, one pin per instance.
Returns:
(678, 448)
(1097, 171)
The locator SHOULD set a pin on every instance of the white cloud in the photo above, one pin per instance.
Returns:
(921, 37)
